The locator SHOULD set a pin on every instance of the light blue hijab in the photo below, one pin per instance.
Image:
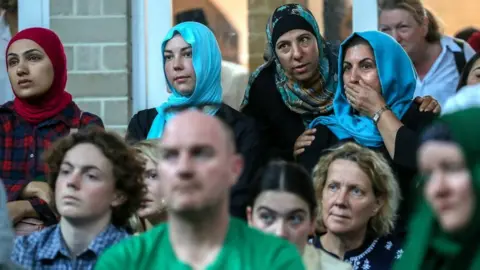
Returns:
(397, 79)
(207, 63)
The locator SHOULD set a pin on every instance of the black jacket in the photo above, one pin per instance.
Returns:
(247, 141)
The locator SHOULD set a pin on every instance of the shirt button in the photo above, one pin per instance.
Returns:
(32, 155)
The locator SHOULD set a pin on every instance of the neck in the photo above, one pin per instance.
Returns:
(157, 219)
(197, 239)
(12, 21)
(426, 57)
(341, 244)
(78, 236)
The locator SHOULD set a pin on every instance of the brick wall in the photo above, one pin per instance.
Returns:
(96, 40)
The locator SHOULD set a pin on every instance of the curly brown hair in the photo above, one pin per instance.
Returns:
(128, 167)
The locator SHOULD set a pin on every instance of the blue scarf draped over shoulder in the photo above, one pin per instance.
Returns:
(207, 63)
(397, 79)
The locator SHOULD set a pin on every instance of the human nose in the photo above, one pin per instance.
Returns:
(281, 229)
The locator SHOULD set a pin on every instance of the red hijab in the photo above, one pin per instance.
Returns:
(56, 99)
(474, 41)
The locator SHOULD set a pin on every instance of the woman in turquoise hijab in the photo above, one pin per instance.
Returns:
(192, 68)
(373, 105)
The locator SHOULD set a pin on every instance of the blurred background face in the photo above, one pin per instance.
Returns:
(196, 168)
(179, 66)
(359, 65)
(448, 187)
(474, 75)
(283, 214)
(297, 51)
(85, 187)
(153, 204)
(402, 26)
(29, 69)
(348, 200)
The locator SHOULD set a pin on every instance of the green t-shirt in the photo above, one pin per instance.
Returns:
(244, 249)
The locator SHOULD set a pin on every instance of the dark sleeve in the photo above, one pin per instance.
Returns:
(90, 119)
(278, 126)
(43, 211)
(137, 129)
(324, 139)
(408, 137)
(252, 149)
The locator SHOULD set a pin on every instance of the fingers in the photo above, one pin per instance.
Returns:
(310, 132)
(431, 106)
(298, 152)
(437, 109)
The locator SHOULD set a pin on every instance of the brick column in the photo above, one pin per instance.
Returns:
(258, 13)
(95, 36)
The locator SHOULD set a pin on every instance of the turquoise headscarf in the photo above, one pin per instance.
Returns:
(207, 63)
(397, 79)
(308, 102)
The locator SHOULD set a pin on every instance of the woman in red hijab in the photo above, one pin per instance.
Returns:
(41, 112)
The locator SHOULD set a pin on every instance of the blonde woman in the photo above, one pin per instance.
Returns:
(358, 197)
(152, 211)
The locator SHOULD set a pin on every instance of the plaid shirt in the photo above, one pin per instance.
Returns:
(46, 249)
(22, 146)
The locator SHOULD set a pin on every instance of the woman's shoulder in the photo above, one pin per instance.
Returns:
(315, 258)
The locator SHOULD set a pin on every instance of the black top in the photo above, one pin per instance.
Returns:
(247, 141)
(278, 124)
(404, 163)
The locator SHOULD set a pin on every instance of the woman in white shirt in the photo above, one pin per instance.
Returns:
(437, 58)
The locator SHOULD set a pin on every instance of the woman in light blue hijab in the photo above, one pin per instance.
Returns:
(192, 68)
(373, 103)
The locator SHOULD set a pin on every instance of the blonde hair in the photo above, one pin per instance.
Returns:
(383, 181)
(148, 149)
(419, 13)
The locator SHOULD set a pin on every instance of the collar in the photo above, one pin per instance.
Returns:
(55, 244)
(449, 43)
(70, 115)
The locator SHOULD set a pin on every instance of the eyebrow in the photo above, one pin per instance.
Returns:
(292, 211)
(361, 61)
(84, 168)
(182, 49)
(475, 68)
(26, 52)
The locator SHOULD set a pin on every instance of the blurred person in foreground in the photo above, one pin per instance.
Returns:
(198, 167)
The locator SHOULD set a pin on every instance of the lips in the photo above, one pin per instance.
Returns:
(24, 82)
(300, 68)
(180, 79)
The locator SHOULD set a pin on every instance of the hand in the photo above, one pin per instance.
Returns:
(17, 210)
(40, 190)
(305, 139)
(364, 98)
(428, 104)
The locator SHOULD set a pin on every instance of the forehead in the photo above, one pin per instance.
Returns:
(87, 154)
(280, 201)
(346, 171)
(395, 16)
(293, 34)
(23, 45)
(435, 151)
(358, 52)
(177, 42)
(186, 134)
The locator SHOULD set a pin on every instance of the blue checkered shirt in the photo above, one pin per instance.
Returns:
(47, 250)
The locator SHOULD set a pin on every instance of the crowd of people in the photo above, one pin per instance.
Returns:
(363, 156)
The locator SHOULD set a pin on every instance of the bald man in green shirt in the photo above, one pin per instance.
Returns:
(198, 166)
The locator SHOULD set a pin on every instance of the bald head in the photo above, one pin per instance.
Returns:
(195, 125)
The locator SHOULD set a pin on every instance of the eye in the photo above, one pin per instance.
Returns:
(385, 29)
(296, 219)
(202, 152)
(64, 172)
(305, 40)
(34, 57)
(346, 67)
(282, 46)
(91, 176)
(151, 175)
(332, 187)
(187, 54)
(169, 155)
(12, 62)
(267, 218)
(356, 191)
(168, 57)
(367, 65)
